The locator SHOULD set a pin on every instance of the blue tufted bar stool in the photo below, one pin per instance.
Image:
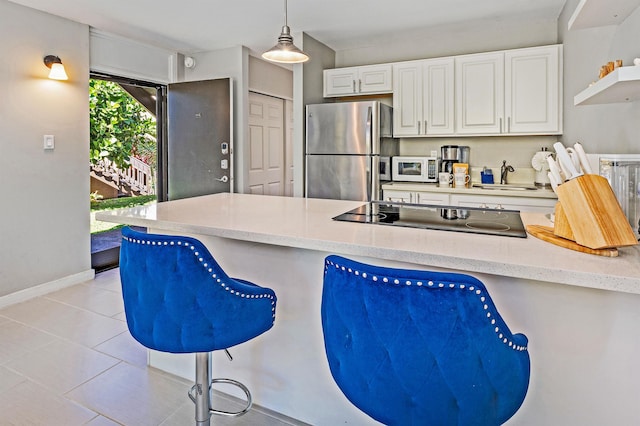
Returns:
(178, 299)
(411, 347)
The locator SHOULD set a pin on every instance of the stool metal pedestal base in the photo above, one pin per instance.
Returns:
(200, 393)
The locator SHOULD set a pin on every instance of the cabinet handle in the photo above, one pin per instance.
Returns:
(354, 86)
(425, 127)
(418, 127)
(359, 86)
(508, 124)
(500, 124)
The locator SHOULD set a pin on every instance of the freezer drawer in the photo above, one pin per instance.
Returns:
(340, 177)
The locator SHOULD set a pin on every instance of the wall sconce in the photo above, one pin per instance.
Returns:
(57, 69)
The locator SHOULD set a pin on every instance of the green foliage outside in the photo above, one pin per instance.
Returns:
(115, 203)
(121, 203)
(120, 126)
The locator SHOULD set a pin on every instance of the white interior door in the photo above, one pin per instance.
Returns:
(288, 141)
(266, 145)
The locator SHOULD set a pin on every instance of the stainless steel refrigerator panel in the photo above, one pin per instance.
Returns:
(343, 128)
(341, 177)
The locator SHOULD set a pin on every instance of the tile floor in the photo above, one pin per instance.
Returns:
(67, 358)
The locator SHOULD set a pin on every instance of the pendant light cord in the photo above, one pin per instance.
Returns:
(285, 13)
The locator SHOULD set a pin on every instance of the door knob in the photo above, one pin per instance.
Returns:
(223, 179)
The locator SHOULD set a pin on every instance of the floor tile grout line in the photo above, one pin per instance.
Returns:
(59, 391)
(64, 338)
(81, 308)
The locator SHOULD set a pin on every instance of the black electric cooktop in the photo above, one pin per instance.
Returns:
(444, 218)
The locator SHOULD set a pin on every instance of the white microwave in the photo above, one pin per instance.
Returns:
(414, 169)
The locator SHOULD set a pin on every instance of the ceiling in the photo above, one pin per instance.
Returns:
(190, 26)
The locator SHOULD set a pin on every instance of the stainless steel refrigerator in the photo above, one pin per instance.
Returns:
(348, 150)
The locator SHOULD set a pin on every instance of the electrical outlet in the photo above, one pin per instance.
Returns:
(49, 141)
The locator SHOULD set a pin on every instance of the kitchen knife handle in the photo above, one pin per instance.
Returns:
(554, 170)
(584, 161)
(565, 161)
(554, 183)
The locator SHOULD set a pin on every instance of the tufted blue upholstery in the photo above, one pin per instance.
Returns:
(178, 299)
(423, 348)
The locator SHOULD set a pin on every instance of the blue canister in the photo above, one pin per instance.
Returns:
(486, 176)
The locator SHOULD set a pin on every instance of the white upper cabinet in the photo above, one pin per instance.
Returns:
(514, 92)
(533, 90)
(509, 92)
(364, 80)
(407, 98)
(479, 93)
(423, 98)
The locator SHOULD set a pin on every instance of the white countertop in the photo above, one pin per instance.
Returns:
(434, 187)
(307, 224)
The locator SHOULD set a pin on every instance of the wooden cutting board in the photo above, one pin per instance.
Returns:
(545, 233)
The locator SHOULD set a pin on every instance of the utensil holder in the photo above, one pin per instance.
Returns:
(588, 213)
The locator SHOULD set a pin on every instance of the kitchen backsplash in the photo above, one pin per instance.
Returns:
(485, 151)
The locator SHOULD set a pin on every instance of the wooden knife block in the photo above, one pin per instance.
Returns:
(588, 213)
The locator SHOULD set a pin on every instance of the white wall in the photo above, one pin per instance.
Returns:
(451, 40)
(44, 220)
(270, 79)
(608, 128)
(115, 55)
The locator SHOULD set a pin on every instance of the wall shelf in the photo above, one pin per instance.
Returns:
(621, 85)
(598, 13)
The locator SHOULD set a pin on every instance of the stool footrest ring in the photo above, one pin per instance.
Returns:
(249, 401)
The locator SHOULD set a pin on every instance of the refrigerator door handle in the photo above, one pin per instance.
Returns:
(369, 130)
(372, 184)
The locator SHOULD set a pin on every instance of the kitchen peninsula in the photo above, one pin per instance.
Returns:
(580, 312)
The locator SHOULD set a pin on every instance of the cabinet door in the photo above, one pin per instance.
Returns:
(434, 198)
(480, 93)
(437, 96)
(374, 79)
(533, 90)
(530, 204)
(407, 98)
(340, 81)
(397, 196)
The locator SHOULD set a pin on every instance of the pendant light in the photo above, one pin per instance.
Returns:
(285, 52)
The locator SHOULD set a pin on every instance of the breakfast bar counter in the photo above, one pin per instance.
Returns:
(581, 312)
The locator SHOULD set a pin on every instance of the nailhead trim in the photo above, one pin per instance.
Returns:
(478, 292)
(205, 265)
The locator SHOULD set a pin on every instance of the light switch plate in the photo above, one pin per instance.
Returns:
(49, 141)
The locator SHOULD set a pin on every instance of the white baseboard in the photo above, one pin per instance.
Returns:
(49, 287)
